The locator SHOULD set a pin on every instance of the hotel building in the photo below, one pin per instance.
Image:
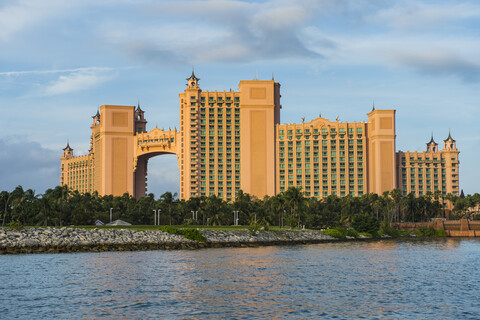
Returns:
(233, 140)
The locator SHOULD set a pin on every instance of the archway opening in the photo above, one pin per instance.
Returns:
(163, 175)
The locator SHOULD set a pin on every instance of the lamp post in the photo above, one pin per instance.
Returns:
(235, 217)
(111, 209)
(195, 215)
(156, 217)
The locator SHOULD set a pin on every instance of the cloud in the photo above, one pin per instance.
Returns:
(414, 15)
(79, 80)
(28, 164)
(216, 31)
(435, 63)
(21, 14)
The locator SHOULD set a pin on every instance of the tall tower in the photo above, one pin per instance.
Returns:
(189, 146)
(259, 116)
(381, 151)
(114, 140)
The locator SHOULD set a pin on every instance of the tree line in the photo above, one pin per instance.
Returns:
(61, 206)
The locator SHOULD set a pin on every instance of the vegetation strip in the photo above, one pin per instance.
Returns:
(61, 206)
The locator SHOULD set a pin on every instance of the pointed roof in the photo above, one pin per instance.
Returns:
(97, 115)
(373, 105)
(449, 138)
(68, 148)
(193, 77)
(432, 141)
(138, 108)
(462, 195)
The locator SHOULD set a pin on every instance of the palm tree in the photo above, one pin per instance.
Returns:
(397, 197)
(295, 199)
(5, 198)
(169, 200)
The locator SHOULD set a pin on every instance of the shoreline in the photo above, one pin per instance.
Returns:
(67, 239)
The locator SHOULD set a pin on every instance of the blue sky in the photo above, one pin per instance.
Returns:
(60, 60)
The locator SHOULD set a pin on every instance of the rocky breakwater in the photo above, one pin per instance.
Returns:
(223, 238)
(76, 239)
(36, 240)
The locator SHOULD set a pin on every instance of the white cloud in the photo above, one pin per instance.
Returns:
(22, 14)
(215, 31)
(79, 80)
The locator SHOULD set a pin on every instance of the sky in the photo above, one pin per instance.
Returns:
(61, 60)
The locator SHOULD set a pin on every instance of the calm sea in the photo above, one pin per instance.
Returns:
(434, 279)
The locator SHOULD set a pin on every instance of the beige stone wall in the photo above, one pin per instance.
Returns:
(381, 151)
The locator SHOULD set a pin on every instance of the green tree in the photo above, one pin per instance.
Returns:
(169, 200)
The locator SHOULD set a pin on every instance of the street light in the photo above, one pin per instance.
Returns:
(156, 218)
(111, 209)
(235, 217)
(195, 215)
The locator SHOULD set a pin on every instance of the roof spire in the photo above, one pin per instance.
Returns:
(97, 115)
(68, 146)
(193, 77)
(273, 78)
(138, 107)
(373, 105)
(449, 138)
(431, 140)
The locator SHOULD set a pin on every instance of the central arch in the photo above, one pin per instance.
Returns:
(150, 144)
(141, 172)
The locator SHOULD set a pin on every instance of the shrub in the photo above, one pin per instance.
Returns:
(336, 233)
(387, 230)
(15, 225)
(365, 223)
(430, 232)
(341, 233)
(189, 233)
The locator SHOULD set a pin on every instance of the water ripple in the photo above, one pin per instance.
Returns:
(388, 279)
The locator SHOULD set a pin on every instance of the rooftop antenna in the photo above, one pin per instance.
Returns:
(273, 78)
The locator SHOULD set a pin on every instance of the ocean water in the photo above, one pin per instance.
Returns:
(414, 279)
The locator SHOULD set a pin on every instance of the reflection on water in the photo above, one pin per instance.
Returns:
(382, 279)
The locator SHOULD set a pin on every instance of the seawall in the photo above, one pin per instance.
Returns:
(38, 240)
(453, 228)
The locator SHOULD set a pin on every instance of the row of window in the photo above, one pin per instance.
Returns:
(317, 131)
(219, 99)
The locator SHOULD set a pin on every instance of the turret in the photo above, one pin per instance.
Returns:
(192, 81)
(68, 152)
(432, 146)
(140, 122)
(96, 118)
(449, 143)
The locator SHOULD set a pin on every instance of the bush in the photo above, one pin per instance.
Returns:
(387, 230)
(341, 233)
(430, 232)
(189, 233)
(15, 225)
(365, 223)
